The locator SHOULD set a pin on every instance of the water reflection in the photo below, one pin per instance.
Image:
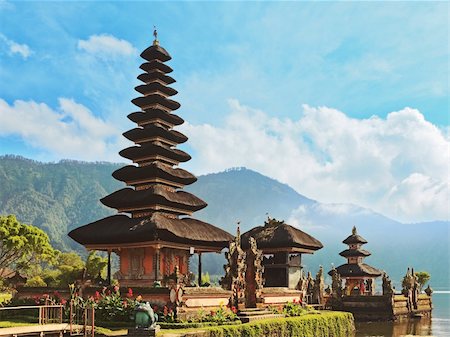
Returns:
(415, 327)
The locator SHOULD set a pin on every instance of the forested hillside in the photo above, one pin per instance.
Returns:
(60, 196)
(56, 197)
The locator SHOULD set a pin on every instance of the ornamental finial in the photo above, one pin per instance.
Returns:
(354, 230)
(155, 34)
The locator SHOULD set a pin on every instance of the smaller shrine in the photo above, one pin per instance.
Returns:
(359, 277)
(282, 246)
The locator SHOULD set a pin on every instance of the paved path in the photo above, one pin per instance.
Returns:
(33, 330)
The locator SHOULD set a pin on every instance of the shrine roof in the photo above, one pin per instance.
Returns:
(155, 86)
(354, 252)
(151, 114)
(129, 198)
(156, 52)
(357, 270)
(354, 238)
(156, 64)
(154, 130)
(139, 153)
(121, 229)
(132, 173)
(275, 234)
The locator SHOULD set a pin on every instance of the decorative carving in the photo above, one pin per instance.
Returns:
(254, 274)
(428, 290)
(144, 316)
(388, 290)
(318, 287)
(407, 283)
(336, 284)
(302, 285)
(310, 287)
(234, 278)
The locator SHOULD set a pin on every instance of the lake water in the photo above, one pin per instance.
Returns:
(437, 326)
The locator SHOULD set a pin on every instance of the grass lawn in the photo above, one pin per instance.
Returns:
(10, 324)
(4, 297)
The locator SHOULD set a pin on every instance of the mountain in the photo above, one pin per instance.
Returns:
(61, 196)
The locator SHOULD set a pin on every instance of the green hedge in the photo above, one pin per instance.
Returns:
(189, 325)
(323, 324)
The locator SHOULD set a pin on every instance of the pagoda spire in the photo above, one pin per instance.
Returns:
(155, 34)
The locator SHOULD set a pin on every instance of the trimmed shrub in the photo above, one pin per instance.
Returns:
(325, 324)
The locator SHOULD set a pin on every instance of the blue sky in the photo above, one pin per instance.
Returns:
(292, 72)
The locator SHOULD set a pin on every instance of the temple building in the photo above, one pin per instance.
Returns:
(359, 277)
(153, 232)
(282, 246)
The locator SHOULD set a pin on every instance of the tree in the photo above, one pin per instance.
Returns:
(22, 246)
(422, 278)
(96, 266)
(68, 268)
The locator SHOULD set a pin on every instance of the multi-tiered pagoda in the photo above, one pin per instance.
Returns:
(153, 232)
(359, 277)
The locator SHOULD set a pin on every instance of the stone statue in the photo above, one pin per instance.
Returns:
(319, 287)
(144, 316)
(302, 285)
(234, 278)
(407, 283)
(369, 286)
(388, 290)
(310, 287)
(336, 284)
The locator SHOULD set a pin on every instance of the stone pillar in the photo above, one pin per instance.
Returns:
(157, 263)
(199, 269)
(108, 276)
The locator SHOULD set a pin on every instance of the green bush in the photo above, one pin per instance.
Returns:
(325, 324)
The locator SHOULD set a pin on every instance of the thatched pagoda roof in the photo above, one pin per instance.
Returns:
(146, 150)
(156, 64)
(357, 270)
(154, 130)
(145, 89)
(155, 194)
(279, 235)
(121, 229)
(354, 238)
(140, 117)
(156, 52)
(131, 173)
(151, 99)
(156, 76)
(354, 252)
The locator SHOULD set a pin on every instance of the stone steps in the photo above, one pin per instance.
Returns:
(255, 314)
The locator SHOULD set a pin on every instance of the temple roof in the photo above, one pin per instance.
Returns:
(156, 76)
(354, 238)
(133, 173)
(276, 234)
(146, 150)
(155, 86)
(129, 198)
(121, 229)
(154, 130)
(156, 64)
(357, 270)
(147, 101)
(141, 117)
(354, 252)
(156, 52)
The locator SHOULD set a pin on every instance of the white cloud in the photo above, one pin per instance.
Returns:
(16, 48)
(71, 131)
(106, 45)
(398, 166)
